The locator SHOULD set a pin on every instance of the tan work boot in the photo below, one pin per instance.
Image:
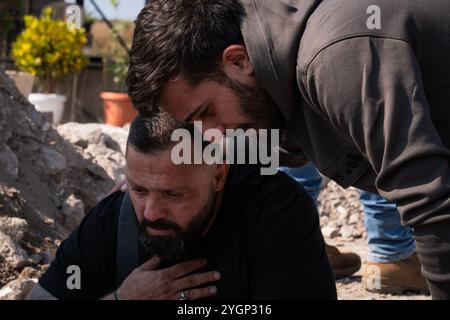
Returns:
(394, 278)
(344, 264)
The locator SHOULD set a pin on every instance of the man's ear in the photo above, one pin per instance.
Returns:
(220, 176)
(237, 65)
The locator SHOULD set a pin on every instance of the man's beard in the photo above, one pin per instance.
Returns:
(255, 104)
(179, 246)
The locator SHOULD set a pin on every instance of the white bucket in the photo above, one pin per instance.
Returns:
(49, 104)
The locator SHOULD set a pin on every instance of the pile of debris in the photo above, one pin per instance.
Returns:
(341, 213)
(103, 144)
(48, 181)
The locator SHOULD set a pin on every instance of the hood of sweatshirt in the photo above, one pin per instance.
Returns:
(272, 30)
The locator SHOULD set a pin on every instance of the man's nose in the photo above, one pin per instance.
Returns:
(154, 208)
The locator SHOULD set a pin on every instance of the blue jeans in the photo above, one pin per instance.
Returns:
(388, 240)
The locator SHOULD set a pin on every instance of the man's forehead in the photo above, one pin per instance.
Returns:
(179, 96)
(154, 168)
(152, 160)
(159, 179)
(176, 90)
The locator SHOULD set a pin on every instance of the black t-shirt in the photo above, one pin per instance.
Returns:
(266, 243)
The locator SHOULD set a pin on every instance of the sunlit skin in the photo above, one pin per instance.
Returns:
(205, 103)
(214, 104)
(160, 189)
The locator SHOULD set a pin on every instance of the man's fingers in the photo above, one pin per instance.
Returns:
(195, 280)
(194, 294)
(150, 264)
(124, 187)
(184, 268)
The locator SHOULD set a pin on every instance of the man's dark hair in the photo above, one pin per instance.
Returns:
(153, 134)
(180, 37)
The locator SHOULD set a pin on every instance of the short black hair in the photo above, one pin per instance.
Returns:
(151, 135)
(180, 37)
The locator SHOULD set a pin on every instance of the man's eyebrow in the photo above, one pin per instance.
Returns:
(180, 189)
(132, 182)
(193, 113)
(176, 190)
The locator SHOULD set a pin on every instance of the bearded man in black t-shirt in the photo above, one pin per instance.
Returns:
(192, 231)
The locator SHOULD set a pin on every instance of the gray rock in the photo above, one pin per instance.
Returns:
(17, 289)
(104, 144)
(94, 133)
(53, 160)
(12, 252)
(36, 258)
(330, 231)
(8, 161)
(113, 164)
(13, 227)
(324, 221)
(97, 150)
(347, 231)
(342, 213)
(354, 218)
(117, 137)
(73, 212)
(46, 126)
(82, 134)
(46, 257)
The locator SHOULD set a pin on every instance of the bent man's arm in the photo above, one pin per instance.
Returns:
(39, 293)
(371, 89)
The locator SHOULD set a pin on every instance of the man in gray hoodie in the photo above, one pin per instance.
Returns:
(362, 88)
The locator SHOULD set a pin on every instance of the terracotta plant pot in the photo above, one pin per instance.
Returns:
(117, 108)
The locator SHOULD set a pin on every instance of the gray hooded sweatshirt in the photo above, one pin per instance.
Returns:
(369, 106)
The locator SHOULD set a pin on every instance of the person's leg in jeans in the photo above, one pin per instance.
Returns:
(344, 264)
(308, 177)
(392, 248)
(389, 241)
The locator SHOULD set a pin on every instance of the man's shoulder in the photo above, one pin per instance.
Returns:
(108, 208)
(91, 247)
(100, 224)
(103, 217)
(249, 188)
(243, 174)
(335, 21)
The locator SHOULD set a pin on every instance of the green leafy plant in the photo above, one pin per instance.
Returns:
(49, 50)
(117, 69)
(116, 61)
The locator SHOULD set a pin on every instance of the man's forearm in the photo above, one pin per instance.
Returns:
(39, 293)
(433, 247)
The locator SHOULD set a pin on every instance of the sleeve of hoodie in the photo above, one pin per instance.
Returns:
(371, 90)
